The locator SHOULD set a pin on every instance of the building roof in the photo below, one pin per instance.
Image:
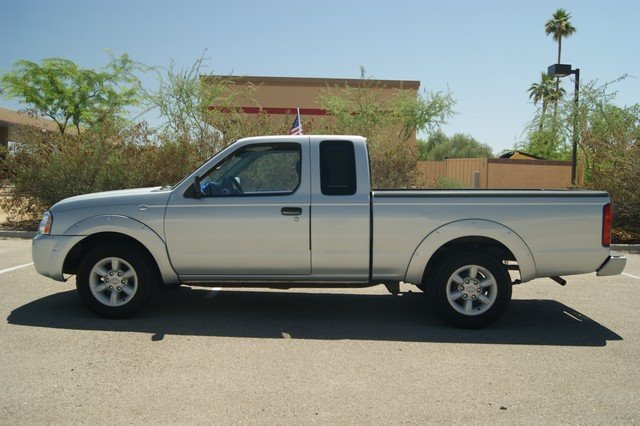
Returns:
(10, 117)
(520, 155)
(306, 81)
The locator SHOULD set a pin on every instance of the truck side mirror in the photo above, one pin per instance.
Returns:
(197, 191)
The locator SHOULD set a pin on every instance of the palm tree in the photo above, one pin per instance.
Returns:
(545, 92)
(540, 92)
(559, 26)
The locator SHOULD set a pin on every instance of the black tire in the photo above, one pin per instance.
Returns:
(467, 301)
(127, 285)
(169, 287)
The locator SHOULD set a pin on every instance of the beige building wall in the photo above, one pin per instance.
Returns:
(280, 96)
(291, 92)
(10, 119)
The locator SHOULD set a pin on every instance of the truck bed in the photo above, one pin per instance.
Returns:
(561, 228)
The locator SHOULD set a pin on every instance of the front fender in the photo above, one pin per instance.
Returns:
(471, 228)
(134, 229)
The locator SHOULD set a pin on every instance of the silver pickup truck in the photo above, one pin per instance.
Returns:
(298, 211)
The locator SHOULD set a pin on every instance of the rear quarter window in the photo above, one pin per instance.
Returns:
(337, 168)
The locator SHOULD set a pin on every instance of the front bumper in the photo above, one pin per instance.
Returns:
(49, 253)
(614, 265)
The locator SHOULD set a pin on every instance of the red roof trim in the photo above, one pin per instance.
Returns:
(274, 110)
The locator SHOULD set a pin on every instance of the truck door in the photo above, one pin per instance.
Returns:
(252, 217)
(341, 214)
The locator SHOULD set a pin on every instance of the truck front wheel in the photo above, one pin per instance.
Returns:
(470, 290)
(115, 281)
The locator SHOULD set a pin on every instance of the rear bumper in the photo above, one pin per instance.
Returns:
(614, 265)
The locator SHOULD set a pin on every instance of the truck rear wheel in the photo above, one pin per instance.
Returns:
(115, 281)
(470, 290)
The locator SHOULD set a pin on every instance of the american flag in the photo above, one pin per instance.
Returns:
(296, 128)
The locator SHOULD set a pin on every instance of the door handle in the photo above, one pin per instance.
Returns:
(291, 211)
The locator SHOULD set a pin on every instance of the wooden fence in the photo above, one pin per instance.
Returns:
(499, 173)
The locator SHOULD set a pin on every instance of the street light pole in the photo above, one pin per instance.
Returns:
(576, 131)
(563, 70)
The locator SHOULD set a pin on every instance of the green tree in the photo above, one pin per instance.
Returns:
(543, 142)
(59, 89)
(387, 122)
(544, 92)
(559, 27)
(439, 146)
(183, 99)
(426, 147)
(611, 148)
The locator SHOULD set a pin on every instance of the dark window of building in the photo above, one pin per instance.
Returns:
(337, 168)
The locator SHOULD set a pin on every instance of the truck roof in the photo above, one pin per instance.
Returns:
(302, 138)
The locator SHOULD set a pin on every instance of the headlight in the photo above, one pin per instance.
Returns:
(45, 223)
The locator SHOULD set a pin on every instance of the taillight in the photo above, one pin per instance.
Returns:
(607, 215)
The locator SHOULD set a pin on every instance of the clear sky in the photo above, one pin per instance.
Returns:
(486, 52)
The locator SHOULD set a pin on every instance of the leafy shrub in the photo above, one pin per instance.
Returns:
(609, 147)
(51, 166)
(111, 154)
(448, 183)
(612, 147)
(388, 123)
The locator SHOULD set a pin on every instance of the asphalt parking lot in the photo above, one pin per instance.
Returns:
(195, 355)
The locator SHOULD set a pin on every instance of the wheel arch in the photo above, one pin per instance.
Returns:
(489, 236)
(120, 230)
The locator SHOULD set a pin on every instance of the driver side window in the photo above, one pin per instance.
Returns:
(255, 170)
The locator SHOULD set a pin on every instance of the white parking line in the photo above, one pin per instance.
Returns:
(624, 273)
(15, 267)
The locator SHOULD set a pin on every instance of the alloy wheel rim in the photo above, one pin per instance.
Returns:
(472, 290)
(113, 281)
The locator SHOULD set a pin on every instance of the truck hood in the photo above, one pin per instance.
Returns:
(150, 196)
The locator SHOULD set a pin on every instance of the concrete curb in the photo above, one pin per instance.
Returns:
(27, 235)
